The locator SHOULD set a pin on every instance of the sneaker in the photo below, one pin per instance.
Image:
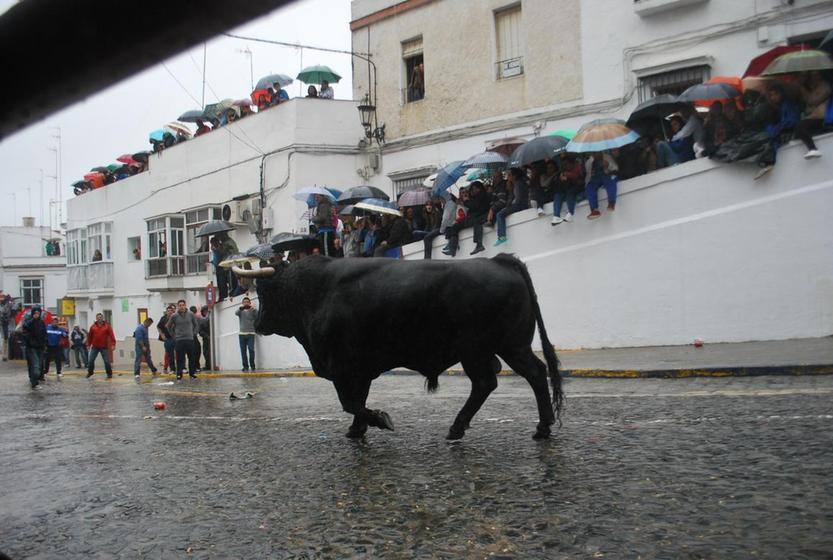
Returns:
(178, 377)
(109, 376)
(136, 376)
(568, 217)
(500, 241)
(611, 207)
(35, 385)
(540, 211)
(763, 171)
(448, 252)
(811, 154)
(594, 215)
(556, 220)
(60, 375)
(89, 374)
(477, 249)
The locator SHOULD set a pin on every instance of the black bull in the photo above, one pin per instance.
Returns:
(357, 318)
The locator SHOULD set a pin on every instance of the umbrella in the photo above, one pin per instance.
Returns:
(311, 191)
(505, 146)
(237, 260)
(537, 149)
(210, 111)
(46, 316)
(100, 169)
(80, 185)
(416, 197)
(142, 157)
(335, 192)
(602, 134)
(357, 194)
(113, 167)
(245, 102)
(178, 128)
(733, 81)
(487, 160)
(657, 107)
(347, 210)
(709, 91)
(379, 206)
(447, 176)
(478, 174)
(285, 241)
(317, 74)
(428, 183)
(759, 63)
(216, 226)
(269, 81)
(800, 61)
(567, 133)
(193, 116)
(264, 251)
(126, 159)
(158, 135)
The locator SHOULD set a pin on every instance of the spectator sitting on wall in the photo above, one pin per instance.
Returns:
(280, 95)
(436, 222)
(311, 91)
(600, 171)
(326, 90)
(567, 188)
(788, 117)
(498, 196)
(202, 128)
(816, 92)
(681, 146)
(733, 116)
(477, 207)
(519, 188)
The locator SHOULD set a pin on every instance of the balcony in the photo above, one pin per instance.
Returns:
(650, 7)
(91, 277)
(166, 274)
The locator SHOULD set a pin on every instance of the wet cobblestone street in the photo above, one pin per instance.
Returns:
(690, 468)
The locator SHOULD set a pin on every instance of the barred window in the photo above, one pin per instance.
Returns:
(407, 184)
(674, 82)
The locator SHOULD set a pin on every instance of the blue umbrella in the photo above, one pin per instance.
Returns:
(158, 135)
(311, 198)
(487, 160)
(601, 135)
(447, 176)
(306, 192)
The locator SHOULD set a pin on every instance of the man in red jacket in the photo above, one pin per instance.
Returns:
(100, 340)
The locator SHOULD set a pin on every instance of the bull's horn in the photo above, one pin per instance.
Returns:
(254, 273)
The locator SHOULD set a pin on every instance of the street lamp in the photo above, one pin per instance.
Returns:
(367, 114)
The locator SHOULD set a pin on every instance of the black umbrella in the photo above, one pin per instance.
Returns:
(708, 91)
(357, 194)
(264, 252)
(141, 156)
(644, 118)
(192, 116)
(285, 241)
(538, 149)
(211, 228)
(100, 169)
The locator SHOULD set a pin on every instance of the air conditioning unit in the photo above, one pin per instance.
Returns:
(235, 211)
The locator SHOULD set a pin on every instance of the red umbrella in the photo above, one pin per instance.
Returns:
(95, 179)
(759, 63)
(126, 159)
(47, 317)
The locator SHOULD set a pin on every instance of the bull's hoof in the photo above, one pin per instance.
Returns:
(455, 433)
(356, 432)
(385, 421)
(542, 432)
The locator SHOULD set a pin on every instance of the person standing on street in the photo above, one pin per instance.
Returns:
(205, 334)
(247, 315)
(183, 326)
(142, 342)
(100, 340)
(33, 335)
(167, 339)
(5, 317)
(55, 335)
(197, 346)
(77, 338)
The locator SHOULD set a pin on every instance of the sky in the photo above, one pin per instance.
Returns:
(117, 120)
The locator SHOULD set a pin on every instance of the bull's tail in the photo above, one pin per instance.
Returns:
(549, 351)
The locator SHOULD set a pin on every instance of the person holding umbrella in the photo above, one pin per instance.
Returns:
(681, 146)
(326, 91)
(816, 92)
(323, 222)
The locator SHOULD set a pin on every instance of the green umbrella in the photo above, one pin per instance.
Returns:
(564, 133)
(317, 74)
(114, 167)
(799, 61)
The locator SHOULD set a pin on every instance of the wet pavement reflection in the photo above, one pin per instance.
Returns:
(693, 468)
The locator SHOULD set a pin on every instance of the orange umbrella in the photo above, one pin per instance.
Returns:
(95, 179)
(733, 81)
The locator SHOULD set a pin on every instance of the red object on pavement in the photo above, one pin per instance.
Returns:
(760, 62)
(159, 405)
(698, 343)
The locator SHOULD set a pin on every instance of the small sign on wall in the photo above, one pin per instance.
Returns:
(125, 305)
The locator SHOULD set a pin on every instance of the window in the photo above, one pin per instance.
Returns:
(408, 183)
(73, 237)
(197, 247)
(165, 246)
(31, 289)
(134, 249)
(674, 82)
(99, 242)
(510, 60)
(414, 70)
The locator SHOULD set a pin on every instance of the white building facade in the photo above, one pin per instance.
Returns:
(32, 265)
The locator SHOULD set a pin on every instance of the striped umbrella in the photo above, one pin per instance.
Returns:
(800, 61)
(487, 160)
(416, 197)
(447, 176)
(379, 206)
(600, 135)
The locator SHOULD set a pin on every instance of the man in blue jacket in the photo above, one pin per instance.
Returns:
(142, 342)
(55, 334)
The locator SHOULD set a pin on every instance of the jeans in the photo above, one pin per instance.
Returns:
(606, 181)
(80, 355)
(558, 201)
(170, 352)
(452, 233)
(501, 216)
(140, 353)
(674, 151)
(197, 352)
(206, 353)
(185, 350)
(805, 129)
(34, 361)
(326, 238)
(105, 355)
(428, 242)
(56, 354)
(247, 342)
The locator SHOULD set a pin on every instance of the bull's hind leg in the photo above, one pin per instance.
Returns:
(526, 364)
(483, 375)
(353, 396)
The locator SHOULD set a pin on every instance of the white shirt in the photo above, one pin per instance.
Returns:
(326, 93)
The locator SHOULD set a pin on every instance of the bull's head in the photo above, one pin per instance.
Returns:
(273, 315)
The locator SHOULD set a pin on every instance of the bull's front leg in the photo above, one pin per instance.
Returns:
(353, 396)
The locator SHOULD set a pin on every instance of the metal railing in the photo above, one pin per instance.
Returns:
(91, 276)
